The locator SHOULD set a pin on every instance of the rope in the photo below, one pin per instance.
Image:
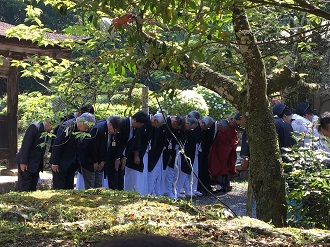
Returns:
(181, 147)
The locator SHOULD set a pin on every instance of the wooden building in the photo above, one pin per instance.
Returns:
(19, 49)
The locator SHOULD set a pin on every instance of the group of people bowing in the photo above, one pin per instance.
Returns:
(175, 156)
(303, 123)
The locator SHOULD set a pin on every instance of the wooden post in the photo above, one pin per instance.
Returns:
(12, 107)
(145, 99)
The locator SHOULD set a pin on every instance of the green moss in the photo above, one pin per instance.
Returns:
(78, 218)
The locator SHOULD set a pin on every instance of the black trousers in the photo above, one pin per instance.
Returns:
(27, 181)
(115, 178)
(203, 173)
(64, 179)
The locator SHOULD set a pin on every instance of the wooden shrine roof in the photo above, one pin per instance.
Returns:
(21, 48)
(14, 48)
(51, 36)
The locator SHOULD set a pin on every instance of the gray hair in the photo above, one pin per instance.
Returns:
(224, 123)
(191, 121)
(194, 114)
(159, 117)
(207, 121)
(87, 117)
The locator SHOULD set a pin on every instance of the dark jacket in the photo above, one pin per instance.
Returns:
(98, 142)
(192, 138)
(129, 145)
(31, 153)
(169, 152)
(284, 132)
(95, 149)
(65, 146)
(157, 143)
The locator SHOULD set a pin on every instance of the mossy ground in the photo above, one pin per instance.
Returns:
(82, 218)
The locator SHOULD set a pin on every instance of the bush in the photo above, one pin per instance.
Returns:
(104, 110)
(123, 99)
(134, 103)
(33, 107)
(308, 187)
(218, 107)
(182, 102)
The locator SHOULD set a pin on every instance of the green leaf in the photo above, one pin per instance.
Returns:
(164, 48)
(112, 69)
(121, 70)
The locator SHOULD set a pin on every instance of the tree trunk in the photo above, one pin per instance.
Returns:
(266, 169)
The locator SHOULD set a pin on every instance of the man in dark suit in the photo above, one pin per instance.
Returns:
(174, 131)
(151, 148)
(209, 131)
(284, 130)
(64, 156)
(186, 161)
(130, 139)
(93, 151)
(30, 157)
(114, 172)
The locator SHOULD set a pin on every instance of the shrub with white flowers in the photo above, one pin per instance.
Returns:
(217, 106)
(183, 102)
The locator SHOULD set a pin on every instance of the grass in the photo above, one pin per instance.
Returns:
(82, 218)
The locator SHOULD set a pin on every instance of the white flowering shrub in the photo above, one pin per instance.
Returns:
(183, 102)
(218, 107)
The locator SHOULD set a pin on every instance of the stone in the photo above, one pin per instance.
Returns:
(6, 187)
(8, 172)
(14, 216)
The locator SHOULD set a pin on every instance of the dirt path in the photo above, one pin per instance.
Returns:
(235, 199)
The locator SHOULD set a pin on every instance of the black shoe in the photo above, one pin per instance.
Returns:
(225, 189)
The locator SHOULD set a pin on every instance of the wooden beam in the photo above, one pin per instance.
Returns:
(24, 52)
(4, 147)
(4, 68)
(8, 45)
(12, 107)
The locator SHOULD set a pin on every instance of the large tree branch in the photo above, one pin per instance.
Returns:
(287, 79)
(252, 59)
(202, 74)
(299, 5)
(198, 73)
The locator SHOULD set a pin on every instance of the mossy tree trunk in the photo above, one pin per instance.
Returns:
(266, 169)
